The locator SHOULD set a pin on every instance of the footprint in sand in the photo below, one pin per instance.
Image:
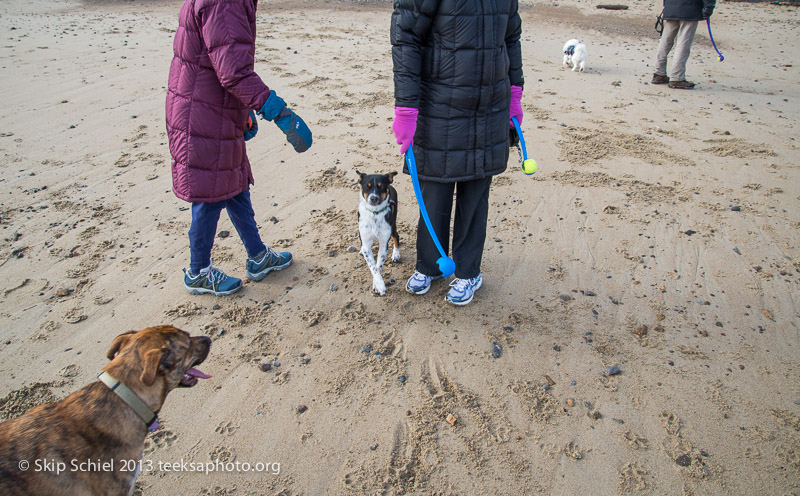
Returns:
(158, 440)
(631, 478)
(70, 371)
(634, 441)
(75, 315)
(222, 454)
(226, 428)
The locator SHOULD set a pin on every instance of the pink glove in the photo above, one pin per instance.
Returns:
(404, 126)
(515, 109)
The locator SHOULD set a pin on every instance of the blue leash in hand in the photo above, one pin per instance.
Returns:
(708, 23)
(446, 264)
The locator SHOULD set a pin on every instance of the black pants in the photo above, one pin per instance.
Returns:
(469, 227)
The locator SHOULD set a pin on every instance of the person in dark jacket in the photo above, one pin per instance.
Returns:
(457, 80)
(212, 93)
(680, 19)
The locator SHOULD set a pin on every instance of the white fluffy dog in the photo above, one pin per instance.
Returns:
(575, 55)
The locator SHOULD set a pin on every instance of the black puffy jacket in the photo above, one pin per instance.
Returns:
(687, 10)
(455, 61)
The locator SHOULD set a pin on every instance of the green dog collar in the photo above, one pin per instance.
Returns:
(132, 399)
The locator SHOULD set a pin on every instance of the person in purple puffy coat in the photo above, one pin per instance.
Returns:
(213, 96)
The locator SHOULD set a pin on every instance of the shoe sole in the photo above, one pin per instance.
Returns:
(462, 303)
(420, 292)
(198, 291)
(261, 275)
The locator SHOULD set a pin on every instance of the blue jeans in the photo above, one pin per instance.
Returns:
(204, 228)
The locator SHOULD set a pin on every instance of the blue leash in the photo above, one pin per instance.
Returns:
(446, 264)
(521, 139)
(708, 23)
(528, 166)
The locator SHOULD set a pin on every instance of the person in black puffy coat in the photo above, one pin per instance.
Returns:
(680, 19)
(457, 80)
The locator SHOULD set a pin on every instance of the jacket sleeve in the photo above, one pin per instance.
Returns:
(513, 46)
(709, 5)
(411, 22)
(228, 37)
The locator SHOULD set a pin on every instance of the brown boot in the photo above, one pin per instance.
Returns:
(681, 85)
(659, 79)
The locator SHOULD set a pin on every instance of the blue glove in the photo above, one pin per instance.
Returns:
(252, 126)
(295, 129)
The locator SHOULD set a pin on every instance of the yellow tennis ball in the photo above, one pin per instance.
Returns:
(529, 166)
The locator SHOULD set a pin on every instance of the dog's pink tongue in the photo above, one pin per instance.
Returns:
(193, 372)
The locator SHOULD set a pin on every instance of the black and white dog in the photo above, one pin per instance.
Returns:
(377, 220)
(575, 55)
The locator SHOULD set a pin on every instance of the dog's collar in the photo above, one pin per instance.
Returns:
(376, 212)
(132, 399)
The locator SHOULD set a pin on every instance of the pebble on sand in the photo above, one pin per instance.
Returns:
(497, 349)
(63, 292)
(612, 370)
(683, 461)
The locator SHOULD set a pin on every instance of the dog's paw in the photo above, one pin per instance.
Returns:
(396, 256)
(379, 286)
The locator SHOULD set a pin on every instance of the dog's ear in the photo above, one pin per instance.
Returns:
(119, 343)
(360, 175)
(155, 362)
(391, 176)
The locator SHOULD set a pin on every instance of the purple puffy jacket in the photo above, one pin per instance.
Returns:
(212, 87)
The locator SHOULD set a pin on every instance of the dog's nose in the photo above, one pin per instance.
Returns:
(203, 345)
(374, 199)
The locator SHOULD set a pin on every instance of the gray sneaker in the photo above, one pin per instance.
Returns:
(462, 290)
(419, 283)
